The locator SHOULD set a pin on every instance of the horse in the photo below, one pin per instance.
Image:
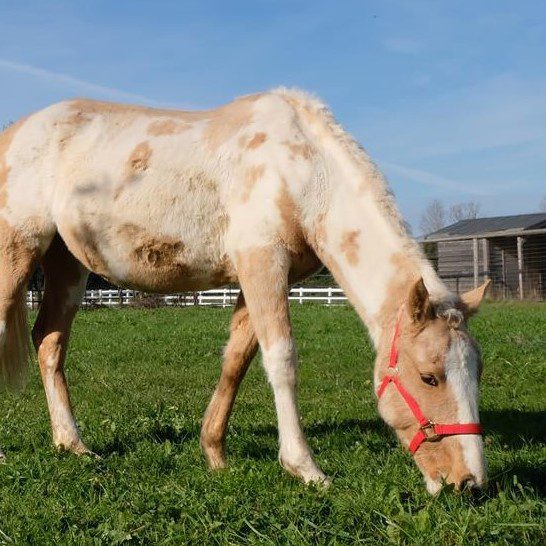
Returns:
(263, 191)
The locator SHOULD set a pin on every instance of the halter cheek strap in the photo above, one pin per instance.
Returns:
(428, 430)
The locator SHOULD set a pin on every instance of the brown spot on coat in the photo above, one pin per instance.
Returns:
(157, 262)
(163, 127)
(196, 181)
(139, 159)
(151, 250)
(225, 122)
(291, 233)
(349, 246)
(257, 140)
(298, 149)
(137, 163)
(252, 175)
(158, 253)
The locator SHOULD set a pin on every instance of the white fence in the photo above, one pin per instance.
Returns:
(223, 297)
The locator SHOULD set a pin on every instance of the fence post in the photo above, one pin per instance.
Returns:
(329, 295)
(503, 264)
(485, 251)
(520, 266)
(476, 261)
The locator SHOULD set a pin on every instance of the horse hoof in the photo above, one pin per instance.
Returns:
(323, 483)
(77, 448)
(216, 461)
(83, 451)
(312, 475)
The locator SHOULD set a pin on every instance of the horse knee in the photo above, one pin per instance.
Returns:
(280, 362)
(49, 350)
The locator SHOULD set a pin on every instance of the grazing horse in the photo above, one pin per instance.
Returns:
(262, 191)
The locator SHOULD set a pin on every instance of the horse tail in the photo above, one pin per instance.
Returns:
(14, 342)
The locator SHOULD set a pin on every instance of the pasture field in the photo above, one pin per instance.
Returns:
(141, 380)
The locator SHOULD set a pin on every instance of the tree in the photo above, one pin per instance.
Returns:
(464, 211)
(433, 218)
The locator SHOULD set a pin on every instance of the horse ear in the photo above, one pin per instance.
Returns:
(420, 306)
(471, 300)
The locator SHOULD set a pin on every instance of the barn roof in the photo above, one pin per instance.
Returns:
(491, 227)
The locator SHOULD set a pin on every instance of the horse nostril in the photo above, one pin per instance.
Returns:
(468, 482)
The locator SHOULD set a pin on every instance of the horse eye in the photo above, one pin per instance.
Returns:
(429, 379)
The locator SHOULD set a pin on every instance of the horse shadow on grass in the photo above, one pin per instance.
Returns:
(255, 442)
(123, 444)
(512, 429)
(515, 428)
(258, 442)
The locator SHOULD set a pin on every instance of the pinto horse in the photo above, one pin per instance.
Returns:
(263, 191)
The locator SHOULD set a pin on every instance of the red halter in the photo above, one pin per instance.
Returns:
(428, 430)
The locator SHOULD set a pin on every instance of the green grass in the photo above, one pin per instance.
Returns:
(140, 381)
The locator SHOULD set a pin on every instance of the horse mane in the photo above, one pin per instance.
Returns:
(383, 194)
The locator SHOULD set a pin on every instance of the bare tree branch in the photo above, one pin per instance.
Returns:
(433, 218)
(464, 211)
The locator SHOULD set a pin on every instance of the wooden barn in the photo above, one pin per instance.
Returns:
(510, 250)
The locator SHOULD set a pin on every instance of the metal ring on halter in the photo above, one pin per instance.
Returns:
(430, 436)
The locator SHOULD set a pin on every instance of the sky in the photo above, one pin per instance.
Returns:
(448, 98)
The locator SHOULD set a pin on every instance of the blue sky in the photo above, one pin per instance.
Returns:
(449, 98)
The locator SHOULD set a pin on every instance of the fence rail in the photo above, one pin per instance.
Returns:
(224, 297)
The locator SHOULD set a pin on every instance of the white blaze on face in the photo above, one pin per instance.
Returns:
(462, 375)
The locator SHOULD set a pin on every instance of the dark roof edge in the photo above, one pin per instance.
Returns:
(484, 235)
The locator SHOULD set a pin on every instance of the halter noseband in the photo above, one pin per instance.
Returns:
(428, 430)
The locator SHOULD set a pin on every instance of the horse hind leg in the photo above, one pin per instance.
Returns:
(18, 255)
(17, 260)
(239, 352)
(65, 282)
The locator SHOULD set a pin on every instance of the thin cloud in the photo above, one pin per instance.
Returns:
(77, 83)
(405, 46)
(501, 112)
(429, 179)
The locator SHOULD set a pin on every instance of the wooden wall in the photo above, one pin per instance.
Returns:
(455, 265)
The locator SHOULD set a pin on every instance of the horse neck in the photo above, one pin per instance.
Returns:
(360, 237)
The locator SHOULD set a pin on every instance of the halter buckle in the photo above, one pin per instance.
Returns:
(429, 432)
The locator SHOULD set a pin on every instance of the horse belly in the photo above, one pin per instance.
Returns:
(158, 240)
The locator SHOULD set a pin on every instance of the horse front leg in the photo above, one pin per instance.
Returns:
(263, 274)
(239, 352)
